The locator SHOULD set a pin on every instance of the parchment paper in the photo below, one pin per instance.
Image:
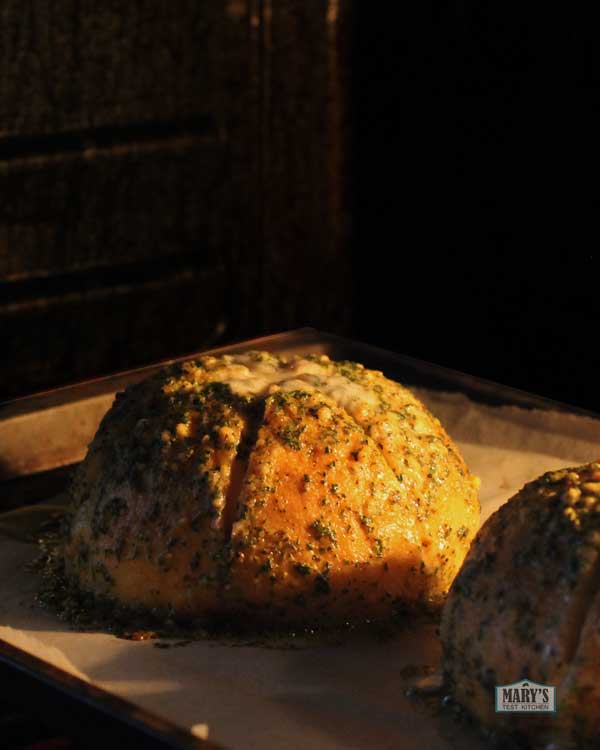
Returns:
(326, 696)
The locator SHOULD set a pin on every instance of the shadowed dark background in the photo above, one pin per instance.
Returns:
(477, 162)
(178, 175)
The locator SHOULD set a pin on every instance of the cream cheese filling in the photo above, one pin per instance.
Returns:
(248, 377)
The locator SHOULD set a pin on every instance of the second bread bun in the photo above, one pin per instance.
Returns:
(526, 605)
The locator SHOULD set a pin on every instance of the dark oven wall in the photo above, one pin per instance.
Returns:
(172, 175)
(176, 175)
(478, 191)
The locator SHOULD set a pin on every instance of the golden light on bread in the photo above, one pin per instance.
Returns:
(526, 605)
(284, 489)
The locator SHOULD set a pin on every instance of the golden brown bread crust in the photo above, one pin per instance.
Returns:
(526, 604)
(294, 489)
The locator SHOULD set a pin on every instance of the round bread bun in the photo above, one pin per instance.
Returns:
(526, 605)
(286, 489)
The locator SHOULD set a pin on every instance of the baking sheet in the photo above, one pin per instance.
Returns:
(323, 695)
